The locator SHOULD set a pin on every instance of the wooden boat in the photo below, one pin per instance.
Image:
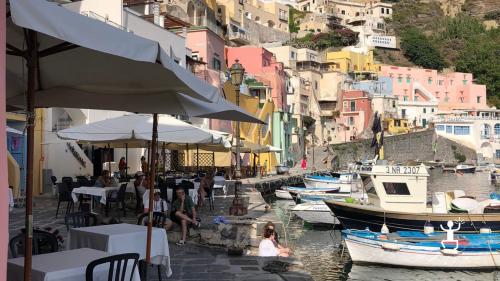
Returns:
(397, 195)
(417, 249)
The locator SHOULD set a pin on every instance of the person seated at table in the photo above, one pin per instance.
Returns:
(183, 213)
(270, 225)
(206, 186)
(103, 180)
(159, 205)
(141, 183)
(267, 248)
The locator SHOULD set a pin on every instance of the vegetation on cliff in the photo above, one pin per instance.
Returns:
(431, 40)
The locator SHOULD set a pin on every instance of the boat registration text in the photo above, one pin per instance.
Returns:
(402, 169)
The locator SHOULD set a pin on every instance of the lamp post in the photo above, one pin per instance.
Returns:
(237, 72)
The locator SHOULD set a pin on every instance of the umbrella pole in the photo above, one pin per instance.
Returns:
(154, 138)
(126, 161)
(197, 160)
(32, 61)
(186, 169)
(109, 160)
(164, 155)
(213, 162)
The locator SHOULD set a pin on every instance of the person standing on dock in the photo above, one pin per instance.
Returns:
(303, 164)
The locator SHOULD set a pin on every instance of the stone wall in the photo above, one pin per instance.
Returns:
(418, 146)
(263, 34)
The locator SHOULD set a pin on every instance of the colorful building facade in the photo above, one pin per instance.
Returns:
(453, 91)
(350, 61)
(355, 114)
(261, 65)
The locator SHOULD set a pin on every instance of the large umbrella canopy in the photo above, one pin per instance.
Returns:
(135, 130)
(85, 63)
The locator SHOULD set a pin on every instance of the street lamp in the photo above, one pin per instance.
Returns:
(237, 73)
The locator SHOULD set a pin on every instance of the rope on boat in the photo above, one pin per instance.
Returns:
(491, 254)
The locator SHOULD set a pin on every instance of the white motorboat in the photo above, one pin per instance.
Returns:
(315, 213)
(463, 168)
(283, 194)
(344, 182)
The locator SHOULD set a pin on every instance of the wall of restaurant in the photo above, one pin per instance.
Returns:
(4, 208)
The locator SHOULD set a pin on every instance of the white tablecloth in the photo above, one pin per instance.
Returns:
(63, 266)
(98, 191)
(119, 239)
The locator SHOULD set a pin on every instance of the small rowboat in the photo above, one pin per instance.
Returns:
(417, 249)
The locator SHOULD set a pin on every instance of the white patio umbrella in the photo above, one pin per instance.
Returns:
(85, 63)
(135, 130)
(57, 58)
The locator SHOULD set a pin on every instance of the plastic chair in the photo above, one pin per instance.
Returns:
(79, 219)
(158, 219)
(43, 243)
(117, 267)
(117, 197)
(64, 193)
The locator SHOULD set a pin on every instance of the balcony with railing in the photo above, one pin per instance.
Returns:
(238, 35)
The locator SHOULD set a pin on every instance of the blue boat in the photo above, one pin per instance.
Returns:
(418, 249)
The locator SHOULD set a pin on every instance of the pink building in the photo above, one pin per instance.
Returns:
(355, 113)
(453, 91)
(261, 64)
(207, 52)
(4, 195)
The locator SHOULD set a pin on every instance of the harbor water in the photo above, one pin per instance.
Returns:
(321, 251)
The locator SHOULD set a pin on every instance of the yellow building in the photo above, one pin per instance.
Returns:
(261, 105)
(348, 61)
(395, 126)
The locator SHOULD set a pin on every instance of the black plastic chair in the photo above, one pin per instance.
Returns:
(43, 243)
(64, 193)
(117, 266)
(80, 219)
(159, 219)
(117, 197)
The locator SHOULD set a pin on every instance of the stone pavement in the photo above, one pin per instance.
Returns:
(192, 261)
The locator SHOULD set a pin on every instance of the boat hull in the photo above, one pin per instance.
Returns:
(315, 213)
(368, 251)
(341, 186)
(354, 216)
(467, 170)
(283, 194)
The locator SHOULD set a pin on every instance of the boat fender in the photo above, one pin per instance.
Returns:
(428, 228)
(390, 247)
(384, 229)
(485, 230)
(450, 252)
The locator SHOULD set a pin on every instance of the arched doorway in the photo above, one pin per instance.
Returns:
(487, 150)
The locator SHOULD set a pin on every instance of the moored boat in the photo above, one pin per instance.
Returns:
(344, 182)
(417, 249)
(463, 168)
(315, 213)
(397, 196)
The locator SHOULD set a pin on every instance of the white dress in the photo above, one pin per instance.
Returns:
(267, 248)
